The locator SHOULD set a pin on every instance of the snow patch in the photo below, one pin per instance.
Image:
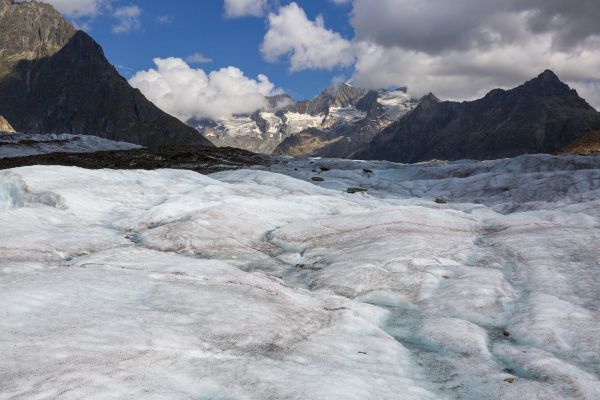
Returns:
(396, 103)
(346, 115)
(296, 122)
(274, 123)
(239, 126)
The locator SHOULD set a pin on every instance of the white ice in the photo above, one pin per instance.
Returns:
(23, 144)
(297, 122)
(396, 103)
(237, 126)
(346, 115)
(262, 284)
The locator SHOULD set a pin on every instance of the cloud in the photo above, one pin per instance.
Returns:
(308, 44)
(434, 26)
(198, 58)
(128, 19)
(570, 22)
(165, 19)
(461, 50)
(79, 8)
(189, 93)
(242, 8)
(590, 91)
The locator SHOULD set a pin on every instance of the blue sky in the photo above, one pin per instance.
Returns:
(200, 26)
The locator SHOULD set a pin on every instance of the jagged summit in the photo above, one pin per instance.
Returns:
(548, 83)
(337, 95)
(430, 97)
(55, 79)
(336, 123)
(548, 75)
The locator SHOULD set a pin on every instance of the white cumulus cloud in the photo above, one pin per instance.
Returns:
(308, 44)
(128, 19)
(242, 8)
(189, 93)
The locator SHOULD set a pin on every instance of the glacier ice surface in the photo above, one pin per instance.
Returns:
(261, 284)
(27, 144)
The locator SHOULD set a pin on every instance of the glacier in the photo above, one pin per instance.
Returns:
(30, 144)
(265, 284)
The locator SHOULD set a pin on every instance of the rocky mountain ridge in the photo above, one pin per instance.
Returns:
(30, 31)
(543, 115)
(55, 79)
(335, 123)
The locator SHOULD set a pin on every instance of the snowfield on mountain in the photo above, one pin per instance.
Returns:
(462, 280)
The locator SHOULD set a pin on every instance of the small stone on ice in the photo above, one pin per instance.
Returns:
(353, 190)
(317, 179)
(440, 200)
(509, 380)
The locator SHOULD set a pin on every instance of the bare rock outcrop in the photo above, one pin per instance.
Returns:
(5, 127)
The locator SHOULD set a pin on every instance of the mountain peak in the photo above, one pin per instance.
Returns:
(540, 116)
(547, 79)
(430, 97)
(55, 79)
(547, 86)
(548, 75)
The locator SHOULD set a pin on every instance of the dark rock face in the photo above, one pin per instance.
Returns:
(337, 142)
(343, 95)
(59, 81)
(541, 116)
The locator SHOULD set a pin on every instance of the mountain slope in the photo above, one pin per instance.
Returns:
(541, 116)
(57, 80)
(29, 31)
(336, 123)
(587, 144)
(347, 130)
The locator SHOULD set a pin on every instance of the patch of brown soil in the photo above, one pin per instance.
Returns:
(587, 144)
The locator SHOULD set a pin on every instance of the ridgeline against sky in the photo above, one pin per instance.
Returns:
(235, 52)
